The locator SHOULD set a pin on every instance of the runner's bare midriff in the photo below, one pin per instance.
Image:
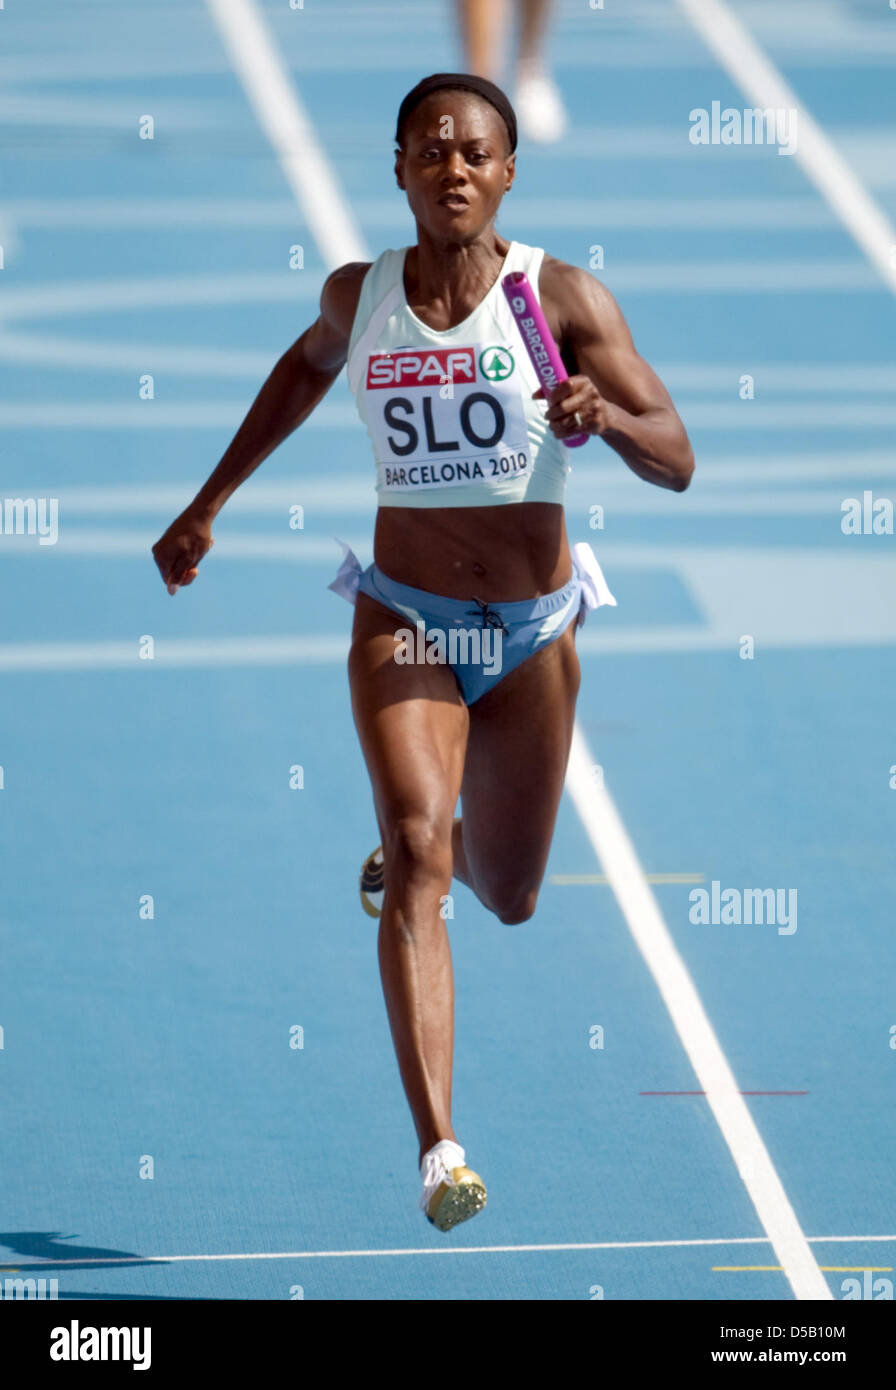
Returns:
(501, 554)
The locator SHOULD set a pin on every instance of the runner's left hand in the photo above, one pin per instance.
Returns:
(577, 393)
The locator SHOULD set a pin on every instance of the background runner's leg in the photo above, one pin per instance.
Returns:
(482, 25)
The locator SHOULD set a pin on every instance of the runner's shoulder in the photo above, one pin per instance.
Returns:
(340, 294)
(568, 289)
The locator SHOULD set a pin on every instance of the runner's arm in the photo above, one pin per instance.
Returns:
(617, 394)
(298, 382)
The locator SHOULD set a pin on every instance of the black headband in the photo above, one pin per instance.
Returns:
(458, 81)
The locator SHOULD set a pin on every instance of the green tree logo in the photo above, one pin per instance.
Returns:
(496, 363)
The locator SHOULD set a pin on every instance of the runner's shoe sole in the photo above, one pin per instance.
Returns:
(454, 1202)
(373, 883)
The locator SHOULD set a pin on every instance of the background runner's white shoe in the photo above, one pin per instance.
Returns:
(373, 883)
(452, 1192)
(539, 105)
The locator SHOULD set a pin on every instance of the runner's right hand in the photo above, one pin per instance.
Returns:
(178, 552)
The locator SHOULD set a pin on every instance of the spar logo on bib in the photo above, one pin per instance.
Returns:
(409, 368)
(441, 417)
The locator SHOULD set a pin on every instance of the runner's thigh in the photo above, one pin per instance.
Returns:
(412, 724)
(517, 752)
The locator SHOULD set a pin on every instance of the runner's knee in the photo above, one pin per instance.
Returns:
(515, 906)
(417, 846)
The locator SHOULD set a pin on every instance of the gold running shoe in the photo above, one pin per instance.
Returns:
(452, 1192)
(373, 883)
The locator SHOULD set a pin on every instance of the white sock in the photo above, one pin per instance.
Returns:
(441, 1158)
(451, 1154)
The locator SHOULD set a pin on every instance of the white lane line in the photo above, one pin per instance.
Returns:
(593, 804)
(84, 354)
(173, 653)
(749, 67)
(290, 650)
(90, 111)
(846, 379)
(795, 415)
(200, 213)
(284, 120)
(740, 277)
(54, 300)
(866, 378)
(640, 909)
(390, 53)
(445, 1250)
(740, 417)
(294, 547)
(353, 491)
(155, 415)
(361, 501)
(57, 299)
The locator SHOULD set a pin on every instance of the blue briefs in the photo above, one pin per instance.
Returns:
(481, 642)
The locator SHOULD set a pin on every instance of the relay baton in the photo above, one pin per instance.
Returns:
(540, 346)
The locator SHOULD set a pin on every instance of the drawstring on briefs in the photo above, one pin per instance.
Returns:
(490, 618)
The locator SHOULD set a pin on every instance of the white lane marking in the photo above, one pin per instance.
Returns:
(353, 491)
(654, 641)
(82, 354)
(739, 277)
(199, 213)
(754, 416)
(293, 547)
(793, 415)
(395, 49)
(155, 415)
(290, 650)
(451, 1250)
(284, 120)
(91, 297)
(361, 500)
(72, 112)
(793, 212)
(866, 378)
(848, 380)
(610, 839)
(615, 851)
(115, 213)
(59, 299)
(749, 67)
(174, 653)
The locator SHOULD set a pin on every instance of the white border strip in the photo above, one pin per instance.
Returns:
(334, 230)
(759, 79)
(616, 853)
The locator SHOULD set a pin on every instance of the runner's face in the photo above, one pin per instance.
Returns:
(455, 166)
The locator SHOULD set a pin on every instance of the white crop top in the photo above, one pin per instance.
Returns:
(450, 414)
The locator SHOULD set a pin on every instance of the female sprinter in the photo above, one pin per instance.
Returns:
(470, 537)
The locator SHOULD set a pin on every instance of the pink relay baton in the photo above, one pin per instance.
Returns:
(540, 346)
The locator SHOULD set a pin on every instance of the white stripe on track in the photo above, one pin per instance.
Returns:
(439, 1250)
(284, 120)
(759, 79)
(616, 853)
(174, 653)
(740, 417)
(313, 185)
